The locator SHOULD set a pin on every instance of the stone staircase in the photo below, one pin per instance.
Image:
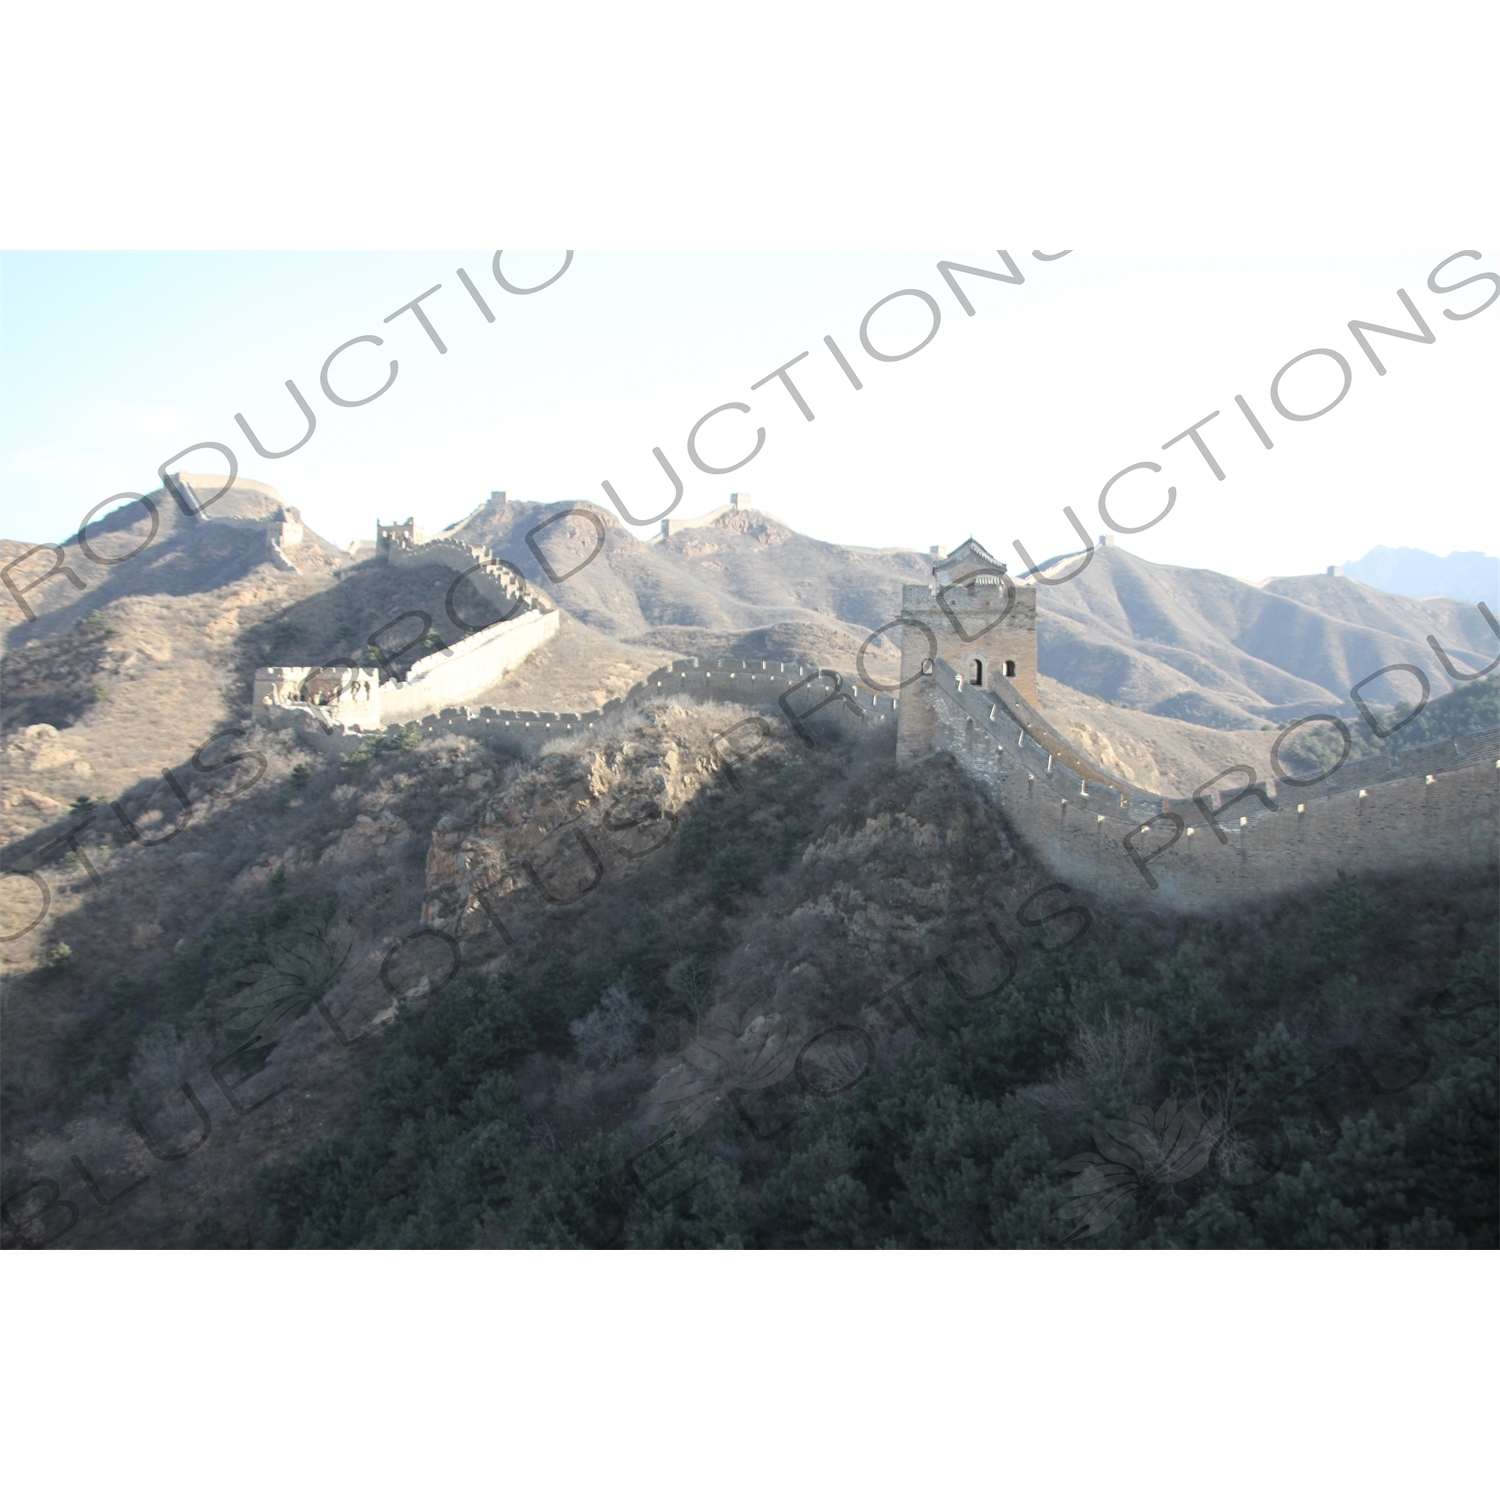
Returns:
(502, 583)
(1001, 710)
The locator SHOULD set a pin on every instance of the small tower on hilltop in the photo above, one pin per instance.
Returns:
(402, 534)
(978, 620)
(286, 528)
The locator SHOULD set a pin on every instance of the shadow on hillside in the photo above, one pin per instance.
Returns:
(371, 615)
(179, 565)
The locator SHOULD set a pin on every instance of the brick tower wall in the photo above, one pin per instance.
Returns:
(960, 628)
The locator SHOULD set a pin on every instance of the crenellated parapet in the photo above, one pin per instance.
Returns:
(757, 685)
(501, 583)
(340, 692)
(480, 655)
(968, 688)
(337, 693)
(1246, 835)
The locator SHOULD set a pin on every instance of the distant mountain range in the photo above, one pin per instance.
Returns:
(1187, 643)
(1466, 576)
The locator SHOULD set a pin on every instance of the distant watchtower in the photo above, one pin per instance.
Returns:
(975, 617)
(286, 529)
(403, 534)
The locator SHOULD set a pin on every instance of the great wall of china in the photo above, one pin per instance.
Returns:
(345, 694)
(525, 731)
(1242, 835)
(1432, 805)
(1436, 804)
(339, 706)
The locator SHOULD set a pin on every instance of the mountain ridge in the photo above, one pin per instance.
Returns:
(1183, 644)
(1465, 576)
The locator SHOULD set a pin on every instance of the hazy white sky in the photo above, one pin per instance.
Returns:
(115, 361)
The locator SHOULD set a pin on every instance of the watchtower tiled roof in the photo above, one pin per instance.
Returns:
(966, 558)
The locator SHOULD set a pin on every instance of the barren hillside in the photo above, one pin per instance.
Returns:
(1189, 644)
(136, 671)
(1159, 754)
(745, 572)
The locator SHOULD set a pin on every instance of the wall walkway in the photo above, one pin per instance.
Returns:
(1432, 805)
(504, 586)
(522, 731)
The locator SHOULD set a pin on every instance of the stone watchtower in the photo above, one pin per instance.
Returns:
(286, 529)
(975, 617)
(399, 534)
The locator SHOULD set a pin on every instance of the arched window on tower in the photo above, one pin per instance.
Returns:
(976, 672)
(1010, 669)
